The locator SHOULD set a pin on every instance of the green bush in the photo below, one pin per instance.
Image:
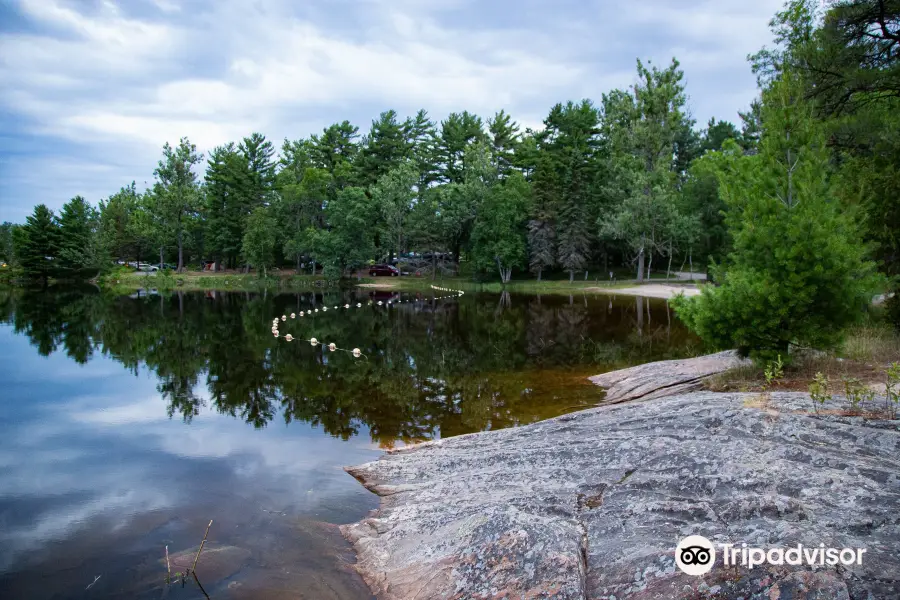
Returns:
(798, 273)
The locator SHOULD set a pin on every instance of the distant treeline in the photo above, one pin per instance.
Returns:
(603, 185)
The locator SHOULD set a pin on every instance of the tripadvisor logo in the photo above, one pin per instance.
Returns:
(696, 555)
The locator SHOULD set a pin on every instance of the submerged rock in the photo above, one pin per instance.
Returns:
(216, 562)
(592, 504)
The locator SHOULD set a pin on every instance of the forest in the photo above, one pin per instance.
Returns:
(793, 211)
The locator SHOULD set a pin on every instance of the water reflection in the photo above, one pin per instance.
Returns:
(125, 422)
(433, 367)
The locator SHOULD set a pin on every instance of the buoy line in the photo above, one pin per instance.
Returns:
(356, 352)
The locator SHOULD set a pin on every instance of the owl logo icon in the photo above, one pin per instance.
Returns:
(695, 555)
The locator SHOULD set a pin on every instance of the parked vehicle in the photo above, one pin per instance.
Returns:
(384, 271)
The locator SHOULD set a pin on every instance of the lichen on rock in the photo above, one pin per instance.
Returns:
(592, 504)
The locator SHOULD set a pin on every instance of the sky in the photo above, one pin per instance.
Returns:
(91, 90)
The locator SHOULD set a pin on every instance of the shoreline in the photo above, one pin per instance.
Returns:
(534, 510)
(288, 281)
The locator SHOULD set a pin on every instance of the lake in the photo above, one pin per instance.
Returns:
(128, 423)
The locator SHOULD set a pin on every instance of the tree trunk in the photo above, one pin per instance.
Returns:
(640, 269)
(180, 253)
(433, 265)
(650, 265)
(539, 274)
(669, 268)
(571, 276)
(500, 267)
(585, 275)
(160, 257)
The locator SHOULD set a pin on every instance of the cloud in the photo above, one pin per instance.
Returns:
(100, 88)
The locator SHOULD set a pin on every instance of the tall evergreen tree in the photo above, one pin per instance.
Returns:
(176, 192)
(79, 251)
(505, 138)
(336, 151)
(458, 132)
(383, 150)
(38, 243)
(644, 133)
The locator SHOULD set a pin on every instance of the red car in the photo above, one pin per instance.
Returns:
(383, 270)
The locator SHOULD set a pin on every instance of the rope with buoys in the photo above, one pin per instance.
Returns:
(355, 352)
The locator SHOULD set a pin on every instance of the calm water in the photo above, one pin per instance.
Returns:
(126, 424)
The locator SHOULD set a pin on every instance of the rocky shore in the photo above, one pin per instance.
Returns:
(592, 504)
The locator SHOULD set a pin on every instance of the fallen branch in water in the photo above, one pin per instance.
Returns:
(196, 558)
(90, 585)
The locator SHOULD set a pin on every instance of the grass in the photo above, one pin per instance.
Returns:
(865, 354)
(873, 342)
(127, 281)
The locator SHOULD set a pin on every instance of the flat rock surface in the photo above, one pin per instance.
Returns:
(665, 378)
(592, 504)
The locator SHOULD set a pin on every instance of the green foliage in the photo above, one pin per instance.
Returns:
(176, 195)
(774, 371)
(892, 389)
(818, 391)
(7, 251)
(646, 135)
(80, 251)
(856, 393)
(393, 196)
(798, 273)
(258, 248)
(499, 238)
(37, 244)
(349, 243)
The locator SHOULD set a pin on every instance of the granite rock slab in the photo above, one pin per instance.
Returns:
(592, 504)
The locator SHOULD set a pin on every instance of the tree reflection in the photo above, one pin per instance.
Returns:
(431, 368)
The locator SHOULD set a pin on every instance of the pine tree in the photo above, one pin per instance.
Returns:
(798, 271)
(37, 245)
(458, 132)
(176, 193)
(383, 150)
(79, 252)
(504, 133)
(336, 151)
(564, 184)
(647, 151)
(230, 189)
